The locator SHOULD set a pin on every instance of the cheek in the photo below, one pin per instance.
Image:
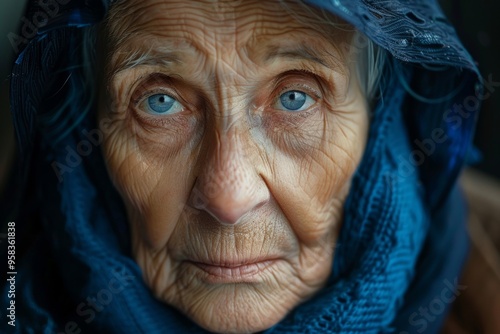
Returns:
(311, 188)
(152, 183)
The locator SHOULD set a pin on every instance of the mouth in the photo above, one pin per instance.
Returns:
(250, 271)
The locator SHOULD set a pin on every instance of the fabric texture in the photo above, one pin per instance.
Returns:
(403, 237)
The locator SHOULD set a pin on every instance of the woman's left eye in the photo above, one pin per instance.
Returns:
(294, 100)
(161, 104)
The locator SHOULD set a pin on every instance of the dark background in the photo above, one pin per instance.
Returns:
(478, 25)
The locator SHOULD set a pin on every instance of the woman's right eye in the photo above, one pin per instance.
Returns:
(161, 104)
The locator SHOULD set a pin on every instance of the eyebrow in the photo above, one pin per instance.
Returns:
(300, 52)
(153, 57)
(165, 56)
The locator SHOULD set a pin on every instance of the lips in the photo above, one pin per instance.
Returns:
(233, 272)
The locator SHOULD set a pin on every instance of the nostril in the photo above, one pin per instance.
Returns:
(198, 200)
(225, 206)
(260, 204)
(227, 216)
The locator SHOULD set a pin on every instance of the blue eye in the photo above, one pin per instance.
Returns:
(162, 104)
(294, 100)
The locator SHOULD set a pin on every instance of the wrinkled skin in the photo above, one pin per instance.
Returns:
(234, 201)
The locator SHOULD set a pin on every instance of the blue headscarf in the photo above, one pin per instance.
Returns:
(403, 240)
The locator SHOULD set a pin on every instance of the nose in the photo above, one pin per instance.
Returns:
(228, 186)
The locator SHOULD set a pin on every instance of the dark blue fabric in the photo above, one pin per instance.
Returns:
(432, 292)
(401, 223)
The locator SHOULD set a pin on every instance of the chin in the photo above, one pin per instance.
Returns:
(237, 300)
(239, 308)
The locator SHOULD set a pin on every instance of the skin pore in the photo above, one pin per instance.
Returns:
(237, 126)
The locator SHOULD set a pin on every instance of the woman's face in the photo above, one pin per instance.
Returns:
(236, 129)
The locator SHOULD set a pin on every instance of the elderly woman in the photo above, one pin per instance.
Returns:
(239, 166)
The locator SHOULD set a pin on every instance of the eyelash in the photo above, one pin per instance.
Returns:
(301, 87)
(316, 94)
(147, 93)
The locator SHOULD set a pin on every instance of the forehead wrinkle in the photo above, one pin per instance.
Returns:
(132, 17)
(160, 17)
(306, 46)
(128, 20)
